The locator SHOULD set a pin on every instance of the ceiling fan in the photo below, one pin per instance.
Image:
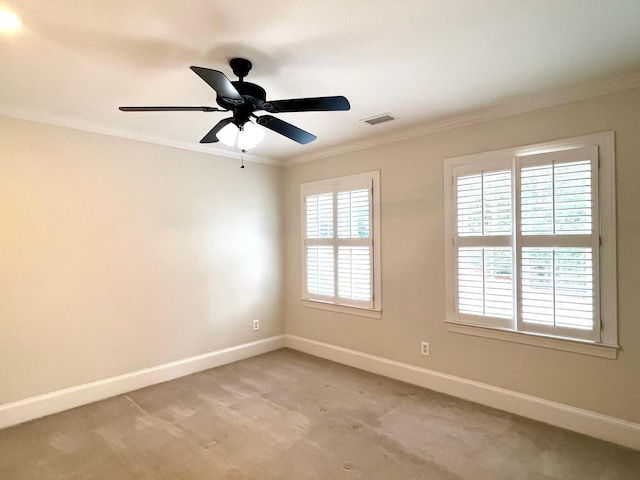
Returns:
(243, 99)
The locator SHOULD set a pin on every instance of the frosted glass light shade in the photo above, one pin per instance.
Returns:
(228, 134)
(250, 136)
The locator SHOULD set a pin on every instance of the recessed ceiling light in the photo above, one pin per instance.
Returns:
(9, 21)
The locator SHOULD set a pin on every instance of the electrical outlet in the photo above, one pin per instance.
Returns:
(424, 348)
(256, 325)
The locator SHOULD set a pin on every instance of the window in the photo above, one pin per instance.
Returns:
(530, 244)
(340, 247)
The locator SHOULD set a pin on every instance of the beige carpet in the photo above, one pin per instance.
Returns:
(287, 415)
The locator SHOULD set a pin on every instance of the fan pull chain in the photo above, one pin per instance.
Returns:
(242, 158)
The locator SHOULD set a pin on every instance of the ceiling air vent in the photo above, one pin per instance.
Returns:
(385, 117)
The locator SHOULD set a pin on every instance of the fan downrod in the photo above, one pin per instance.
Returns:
(240, 66)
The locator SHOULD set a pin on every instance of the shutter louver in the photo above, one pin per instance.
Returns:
(320, 216)
(485, 281)
(557, 286)
(354, 273)
(498, 278)
(572, 190)
(497, 203)
(470, 281)
(556, 199)
(353, 214)
(470, 205)
(320, 276)
(484, 204)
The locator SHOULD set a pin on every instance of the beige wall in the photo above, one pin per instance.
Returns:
(413, 261)
(116, 255)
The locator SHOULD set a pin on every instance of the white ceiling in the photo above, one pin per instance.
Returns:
(431, 63)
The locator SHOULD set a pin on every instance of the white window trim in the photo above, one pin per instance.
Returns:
(376, 311)
(332, 307)
(608, 344)
(596, 349)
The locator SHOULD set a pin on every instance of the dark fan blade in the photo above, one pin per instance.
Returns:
(317, 104)
(212, 136)
(171, 109)
(221, 84)
(283, 128)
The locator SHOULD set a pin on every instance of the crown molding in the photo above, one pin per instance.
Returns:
(532, 103)
(78, 124)
(494, 112)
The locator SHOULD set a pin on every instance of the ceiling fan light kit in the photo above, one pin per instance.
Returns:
(248, 136)
(243, 99)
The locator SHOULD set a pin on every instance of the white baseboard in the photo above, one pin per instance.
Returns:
(594, 424)
(35, 407)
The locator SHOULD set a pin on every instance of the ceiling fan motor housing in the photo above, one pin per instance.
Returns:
(254, 98)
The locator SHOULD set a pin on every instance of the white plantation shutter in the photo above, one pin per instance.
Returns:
(558, 243)
(353, 213)
(320, 216)
(484, 204)
(485, 281)
(484, 224)
(338, 263)
(556, 199)
(320, 270)
(526, 243)
(354, 256)
(319, 222)
(558, 287)
(354, 273)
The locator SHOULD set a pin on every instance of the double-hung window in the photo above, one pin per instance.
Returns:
(530, 244)
(340, 251)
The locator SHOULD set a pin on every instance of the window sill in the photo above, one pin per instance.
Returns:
(360, 312)
(576, 346)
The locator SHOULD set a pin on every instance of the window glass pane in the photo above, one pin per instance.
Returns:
(485, 281)
(320, 277)
(557, 286)
(484, 204)
(353, 214)
(354, 273)
(320, 215)
(556, 199)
